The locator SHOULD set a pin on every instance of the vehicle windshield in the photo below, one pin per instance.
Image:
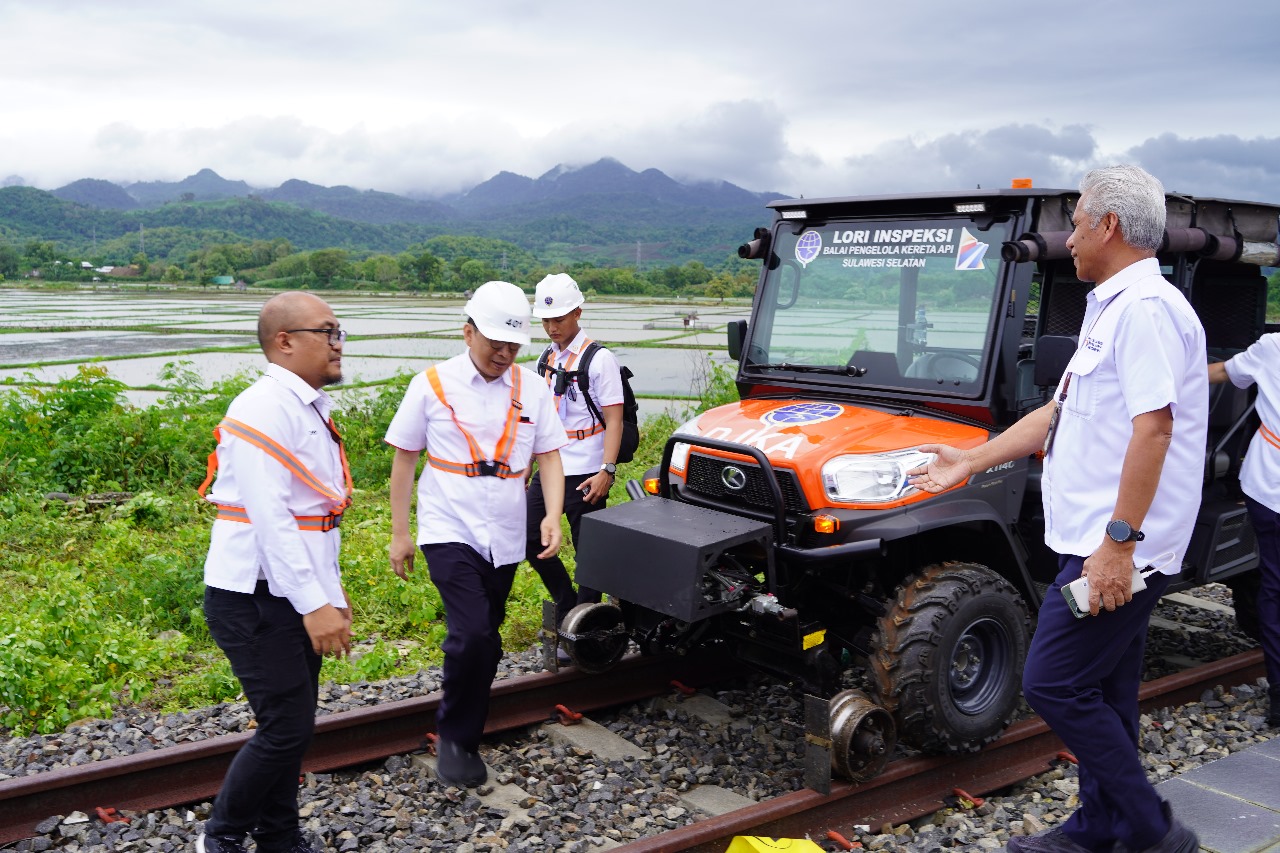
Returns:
(899, 304)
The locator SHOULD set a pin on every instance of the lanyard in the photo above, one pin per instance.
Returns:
(1066, 383)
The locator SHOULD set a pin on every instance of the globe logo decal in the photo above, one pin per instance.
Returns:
(798, 414)
(808, 247)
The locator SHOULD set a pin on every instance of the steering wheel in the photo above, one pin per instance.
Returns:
(951, 367)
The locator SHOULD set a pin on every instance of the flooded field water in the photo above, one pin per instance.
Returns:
(46, 336)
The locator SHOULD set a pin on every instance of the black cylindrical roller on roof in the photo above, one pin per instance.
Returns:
(1036, 246)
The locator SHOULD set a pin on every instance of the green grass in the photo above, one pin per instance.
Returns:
(100, 605)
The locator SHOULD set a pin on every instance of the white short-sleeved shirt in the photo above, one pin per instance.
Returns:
(604, 381)
(1260, 363)
(487, 513)
(301, 566)
(1142, 348)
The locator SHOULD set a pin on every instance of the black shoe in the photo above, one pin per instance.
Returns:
(214, 844)
(299, 844)
(459, 767)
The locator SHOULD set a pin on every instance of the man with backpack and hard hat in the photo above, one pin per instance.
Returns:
(480, 418)
(586, 382)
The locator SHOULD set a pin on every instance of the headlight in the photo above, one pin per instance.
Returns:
(680, 453)
(872, 478)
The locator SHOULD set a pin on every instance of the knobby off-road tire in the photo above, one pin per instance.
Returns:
(947, 657)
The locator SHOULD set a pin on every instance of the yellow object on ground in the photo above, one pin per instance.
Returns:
(745, 844)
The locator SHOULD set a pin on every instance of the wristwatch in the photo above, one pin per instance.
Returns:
(1122, 531)
(610, 469)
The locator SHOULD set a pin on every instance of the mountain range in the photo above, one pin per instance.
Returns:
(602, 210)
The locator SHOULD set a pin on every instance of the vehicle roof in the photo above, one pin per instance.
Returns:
(789, 203)
(977, 193)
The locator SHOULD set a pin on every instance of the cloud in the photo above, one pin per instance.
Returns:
(1231, 167)
(963, 159)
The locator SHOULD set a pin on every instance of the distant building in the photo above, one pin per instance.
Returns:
(223, 279)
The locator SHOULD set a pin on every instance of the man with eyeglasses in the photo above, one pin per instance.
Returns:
(274, 600)
(590, 458)
(480, 419)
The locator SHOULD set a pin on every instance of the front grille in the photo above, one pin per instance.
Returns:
(704, 476)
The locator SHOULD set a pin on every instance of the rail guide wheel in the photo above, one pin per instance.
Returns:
(594, 636)
(862, 736)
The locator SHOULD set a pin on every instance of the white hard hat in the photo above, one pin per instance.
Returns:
(556, 296)
(500, 310)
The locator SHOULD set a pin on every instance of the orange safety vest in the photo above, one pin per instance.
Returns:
(575, 434)
(277, 451)
(479, 466)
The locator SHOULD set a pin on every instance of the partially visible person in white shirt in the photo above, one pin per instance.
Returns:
(590, 458)
(274, 599)
(1260, 481)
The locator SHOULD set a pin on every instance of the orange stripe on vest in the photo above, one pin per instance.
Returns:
(580, 434)
(1270, 437)
(568, 365)
(292, 464)
(479, 466)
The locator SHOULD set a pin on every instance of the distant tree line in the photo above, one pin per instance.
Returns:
(443, 264)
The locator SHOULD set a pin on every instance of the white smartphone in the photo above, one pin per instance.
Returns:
(1077, 593)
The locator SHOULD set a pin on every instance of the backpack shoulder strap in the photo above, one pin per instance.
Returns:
(584, 381)
(584, 364)
(544, 361)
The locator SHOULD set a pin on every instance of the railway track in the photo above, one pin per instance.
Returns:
(907, 789)
(916, 787)
(191, 772)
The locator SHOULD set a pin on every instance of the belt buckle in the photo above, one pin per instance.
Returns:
(487, 468)
(330, 521)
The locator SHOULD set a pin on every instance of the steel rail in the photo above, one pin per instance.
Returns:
(916, 787)
(191, 772)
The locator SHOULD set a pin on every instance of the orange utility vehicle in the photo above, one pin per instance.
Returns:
(783, 525)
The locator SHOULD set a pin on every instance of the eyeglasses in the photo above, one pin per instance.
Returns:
(510, 346)
(336, 336)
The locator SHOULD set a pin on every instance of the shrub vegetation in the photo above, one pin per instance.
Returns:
(105, 539)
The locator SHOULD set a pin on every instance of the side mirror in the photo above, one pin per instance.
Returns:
(758, 247)
(737, 335)
(1053, 352)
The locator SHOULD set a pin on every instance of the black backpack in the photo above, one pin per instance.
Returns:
(630, 408)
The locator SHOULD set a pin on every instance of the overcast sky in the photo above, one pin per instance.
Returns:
(827, 97)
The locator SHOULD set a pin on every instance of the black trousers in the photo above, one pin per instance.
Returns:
(270, 653)
(552, 571)
(474, 592)
(1266, 525)
(1082, 676)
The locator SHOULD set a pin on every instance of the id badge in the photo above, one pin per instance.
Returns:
(1053, 427)
(1057, 413)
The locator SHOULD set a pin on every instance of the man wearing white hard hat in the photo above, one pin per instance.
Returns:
(480, 419)
(590, 458)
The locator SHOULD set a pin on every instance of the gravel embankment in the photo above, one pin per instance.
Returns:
(576, 802)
